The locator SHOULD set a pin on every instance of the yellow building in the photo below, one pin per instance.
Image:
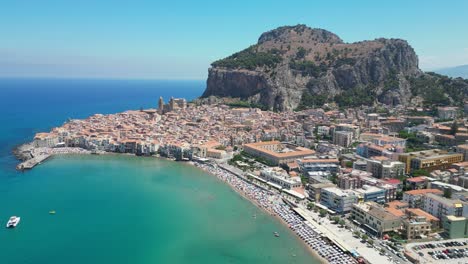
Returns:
(429, 160)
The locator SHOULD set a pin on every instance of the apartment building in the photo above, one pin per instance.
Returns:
(338, 200)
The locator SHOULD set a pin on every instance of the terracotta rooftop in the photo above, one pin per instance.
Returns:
(393, 181)
(419, 212)
(424, 191)
(416, 179)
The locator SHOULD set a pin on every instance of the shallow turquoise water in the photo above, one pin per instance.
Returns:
(125, 209)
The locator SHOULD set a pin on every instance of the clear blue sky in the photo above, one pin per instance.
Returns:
(178, 39)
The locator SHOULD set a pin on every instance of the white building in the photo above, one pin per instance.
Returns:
(440, 207)
(279, 176)
(338, 200)
(45, 140)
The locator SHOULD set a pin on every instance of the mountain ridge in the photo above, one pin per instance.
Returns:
(295, 67)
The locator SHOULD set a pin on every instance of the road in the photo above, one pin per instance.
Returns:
(345, 237)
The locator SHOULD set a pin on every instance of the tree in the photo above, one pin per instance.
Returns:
(310, 206)
(453, 128)
(356, 233)
(341, 222)
(322, 212)
(371, 242)
(420, 172)
(448, 193)
(301, 52)
(349, 164)
(364, 237)
(334, 178)
(335, 219)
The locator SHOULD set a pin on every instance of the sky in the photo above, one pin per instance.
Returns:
(152, 39)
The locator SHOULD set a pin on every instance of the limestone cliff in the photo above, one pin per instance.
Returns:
(295, 66)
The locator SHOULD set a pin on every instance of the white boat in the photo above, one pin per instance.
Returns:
(13, 222)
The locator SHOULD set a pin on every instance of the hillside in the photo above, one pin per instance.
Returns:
(297, 67)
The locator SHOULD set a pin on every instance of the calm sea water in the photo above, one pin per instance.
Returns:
(120, 209)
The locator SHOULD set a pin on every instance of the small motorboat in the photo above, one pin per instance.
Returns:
(276, 234)
(52, 212)
(13, 222)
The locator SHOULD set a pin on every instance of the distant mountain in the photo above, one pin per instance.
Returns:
(295, 67)
(458, 71)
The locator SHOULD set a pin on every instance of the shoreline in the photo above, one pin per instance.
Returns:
(265, 209)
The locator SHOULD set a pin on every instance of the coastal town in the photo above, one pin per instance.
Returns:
(367, 184)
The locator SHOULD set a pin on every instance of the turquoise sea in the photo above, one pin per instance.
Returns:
(119, 208)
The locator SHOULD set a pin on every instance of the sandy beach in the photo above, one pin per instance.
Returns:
(272, 204)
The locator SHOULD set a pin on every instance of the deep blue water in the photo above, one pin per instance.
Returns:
(28, 106)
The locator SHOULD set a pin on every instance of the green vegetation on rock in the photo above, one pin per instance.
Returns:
(436, 89)
(250, 59)
(245, 104)
(355, 97)
(308, 68)
(311, 101)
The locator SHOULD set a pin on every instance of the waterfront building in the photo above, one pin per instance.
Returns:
(315, 190)
(280, 177)
(277, 153)
(338, 200)
(375, 218)
(210, 149)
(45, 140)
